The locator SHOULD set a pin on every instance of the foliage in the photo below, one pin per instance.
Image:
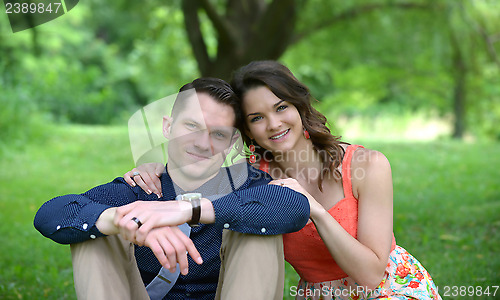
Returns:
(102, 61)
(97, 72)
(21, 121)
(400, 60)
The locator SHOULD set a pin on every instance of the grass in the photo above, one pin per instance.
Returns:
(446, 206)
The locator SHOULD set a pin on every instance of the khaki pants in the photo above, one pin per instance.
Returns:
(252, 268)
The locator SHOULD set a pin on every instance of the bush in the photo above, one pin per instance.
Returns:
(20, 119)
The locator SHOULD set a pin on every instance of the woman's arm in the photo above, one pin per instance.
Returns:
(364, 259)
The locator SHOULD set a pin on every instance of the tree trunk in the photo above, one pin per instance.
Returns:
(249, 30)
(459, 71)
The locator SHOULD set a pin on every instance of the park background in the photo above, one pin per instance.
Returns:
(418, 80)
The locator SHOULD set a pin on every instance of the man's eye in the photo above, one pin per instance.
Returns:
(219, 135)
(191, 125)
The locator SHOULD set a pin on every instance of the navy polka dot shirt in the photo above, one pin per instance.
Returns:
(242, 201)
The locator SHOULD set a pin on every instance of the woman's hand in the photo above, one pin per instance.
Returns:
(147, 176)
(293, 184)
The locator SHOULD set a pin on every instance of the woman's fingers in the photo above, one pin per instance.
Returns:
(129, 177)
(159, 169)
(149, 179)
(146, 176)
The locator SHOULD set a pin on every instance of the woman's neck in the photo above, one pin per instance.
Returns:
(302, 162)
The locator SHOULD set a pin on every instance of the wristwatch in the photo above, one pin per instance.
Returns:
(194, 199)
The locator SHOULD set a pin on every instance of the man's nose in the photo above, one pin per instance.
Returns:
(203, 140)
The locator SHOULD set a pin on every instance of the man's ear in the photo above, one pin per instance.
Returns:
(167, 126)
(235, 137)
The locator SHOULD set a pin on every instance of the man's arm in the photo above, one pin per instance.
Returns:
(264, 209)
(256, 208)
(72, 218)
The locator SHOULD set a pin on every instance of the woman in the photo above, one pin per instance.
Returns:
(347, 250)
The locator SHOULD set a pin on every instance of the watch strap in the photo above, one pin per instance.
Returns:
(195, 218)
(195, 200)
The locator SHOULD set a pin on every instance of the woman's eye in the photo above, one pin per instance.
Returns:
(281, 107)
(191, 125)
(254, 119)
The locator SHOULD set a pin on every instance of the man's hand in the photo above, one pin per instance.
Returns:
(150, 214)
(105, 222)
(171, 246)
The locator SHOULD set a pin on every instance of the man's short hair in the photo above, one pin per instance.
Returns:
(216, 88)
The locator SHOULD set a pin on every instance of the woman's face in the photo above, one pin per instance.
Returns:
(273, 123)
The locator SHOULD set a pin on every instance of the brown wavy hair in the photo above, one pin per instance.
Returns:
(281, 81)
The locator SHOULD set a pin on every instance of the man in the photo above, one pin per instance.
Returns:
(101, 223)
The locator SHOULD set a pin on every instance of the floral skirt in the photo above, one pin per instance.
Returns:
(405, 278)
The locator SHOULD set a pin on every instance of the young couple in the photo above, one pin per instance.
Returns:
(346, 249)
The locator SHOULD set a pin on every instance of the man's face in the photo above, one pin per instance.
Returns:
(200, 136)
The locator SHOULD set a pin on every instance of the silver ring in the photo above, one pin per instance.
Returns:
(282, 183)
(136, 173)
(137, 221)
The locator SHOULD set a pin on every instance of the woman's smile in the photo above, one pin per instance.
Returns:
(280, 136)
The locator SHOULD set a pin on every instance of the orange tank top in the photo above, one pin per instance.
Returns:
(305, 249)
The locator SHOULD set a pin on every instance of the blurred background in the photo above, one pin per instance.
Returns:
(416, 79)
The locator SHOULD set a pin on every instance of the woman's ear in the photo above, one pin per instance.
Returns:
(167, 126)
(247, 133)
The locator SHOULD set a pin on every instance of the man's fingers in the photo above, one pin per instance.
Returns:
(191, 248)
(180, 251)
(123, 211)
(158, 247)
(143, 231)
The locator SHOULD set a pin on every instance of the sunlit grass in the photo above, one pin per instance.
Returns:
(446, 206)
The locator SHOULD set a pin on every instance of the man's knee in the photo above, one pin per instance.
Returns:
(252, 244)
(105, 268)
(250, 261)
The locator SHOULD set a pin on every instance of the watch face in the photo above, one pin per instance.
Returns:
(191, 196)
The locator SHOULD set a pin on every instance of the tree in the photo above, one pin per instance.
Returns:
(258, 29)
(472, 46)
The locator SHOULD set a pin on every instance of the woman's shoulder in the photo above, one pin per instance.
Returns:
(370, 160)
(369, 168)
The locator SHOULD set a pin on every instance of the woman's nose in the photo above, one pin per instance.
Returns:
(273, 123)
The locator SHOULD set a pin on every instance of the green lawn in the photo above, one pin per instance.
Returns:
(447, 206)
